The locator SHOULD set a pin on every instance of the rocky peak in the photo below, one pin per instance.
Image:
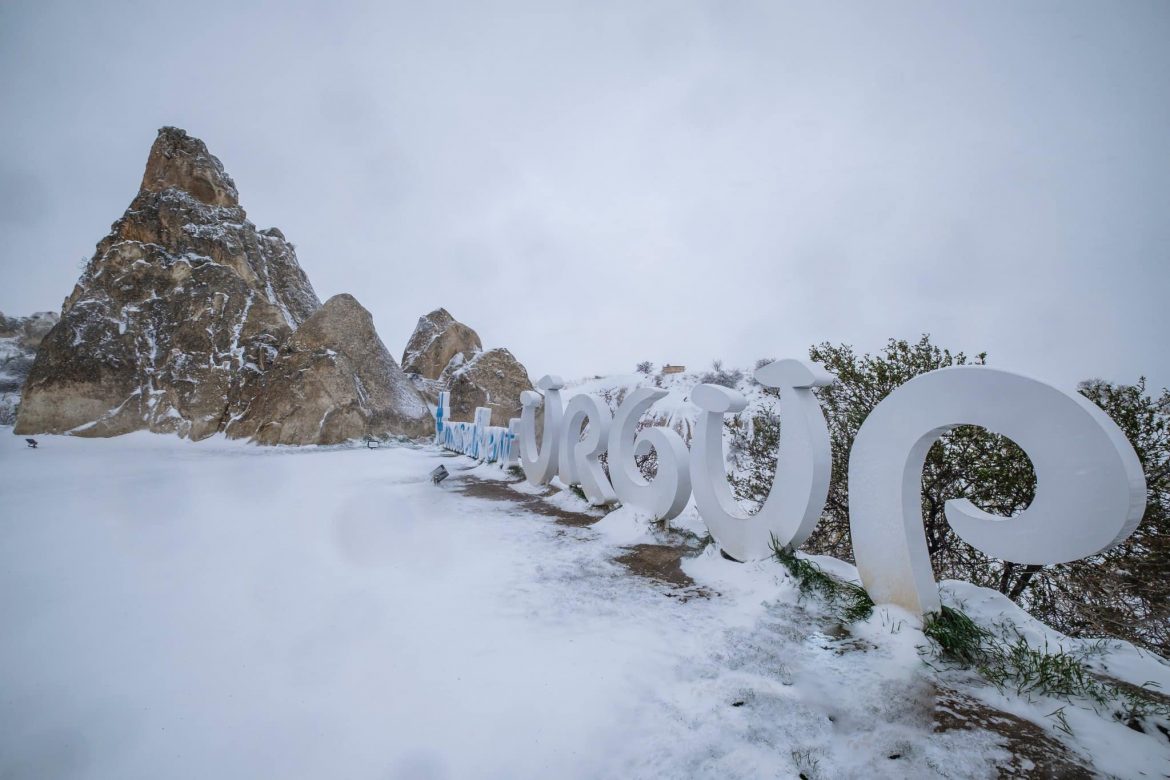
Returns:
(445, 354)
(333, 380)
(439, 318)
(28, 332)
(182, 162)
(176, 316)
(437, 339)
(342, 323)
(494, 379)
(189, 320)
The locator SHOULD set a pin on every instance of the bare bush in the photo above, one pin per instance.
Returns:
(721, 376)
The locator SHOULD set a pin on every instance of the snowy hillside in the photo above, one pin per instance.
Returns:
(14, 365)
(19, 339)
(220, 610)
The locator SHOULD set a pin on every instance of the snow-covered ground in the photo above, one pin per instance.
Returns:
(187, 610)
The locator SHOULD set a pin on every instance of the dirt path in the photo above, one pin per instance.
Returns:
(659, 562)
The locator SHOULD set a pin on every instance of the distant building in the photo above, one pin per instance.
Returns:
(669, 369)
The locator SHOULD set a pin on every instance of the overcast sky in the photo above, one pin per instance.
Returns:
(595, 184)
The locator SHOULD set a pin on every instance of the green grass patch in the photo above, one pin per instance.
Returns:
(1014, 665)
(1008, 664)
(848, 601)
(959, 637)
(1028, 670)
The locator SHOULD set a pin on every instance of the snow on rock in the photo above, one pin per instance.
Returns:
(333, 380)
(493, 379)
(177, 313)
(445, 354)
(20, 337)
(330, 612)
(178, 316)
(438, 339)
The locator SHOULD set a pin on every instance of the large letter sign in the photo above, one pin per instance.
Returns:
(804, 464)
(667, 494)
(579, 465)
(1090, 490)
(540, 464)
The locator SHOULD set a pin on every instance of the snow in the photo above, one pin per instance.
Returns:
(675, 409)
(217, 609)
(273, 298)
(235, 350)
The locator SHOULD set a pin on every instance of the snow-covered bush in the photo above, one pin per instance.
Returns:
(718, 375)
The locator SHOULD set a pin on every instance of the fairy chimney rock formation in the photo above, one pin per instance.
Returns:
(436, 340)
(178, 161)
(445, 354)
(494, 379)
(333, 380)
(178, 316)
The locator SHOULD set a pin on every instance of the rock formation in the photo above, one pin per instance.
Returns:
(493, 379)
(19, 339)
(179, 315)
(333, 380)
(446, 354)
(437, 339)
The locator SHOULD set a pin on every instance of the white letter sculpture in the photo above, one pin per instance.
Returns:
(667, 494)
(511, 447)
(540, 465)
(804, 463)
(578, 463)
(441, 413)
(481, 420)
(1090, 490)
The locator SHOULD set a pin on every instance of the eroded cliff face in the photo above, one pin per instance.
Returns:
(333, 380)
(176, 315)
(438, 337)
(446, 354)
(494, 379)
(179, 315)
(20, 337)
